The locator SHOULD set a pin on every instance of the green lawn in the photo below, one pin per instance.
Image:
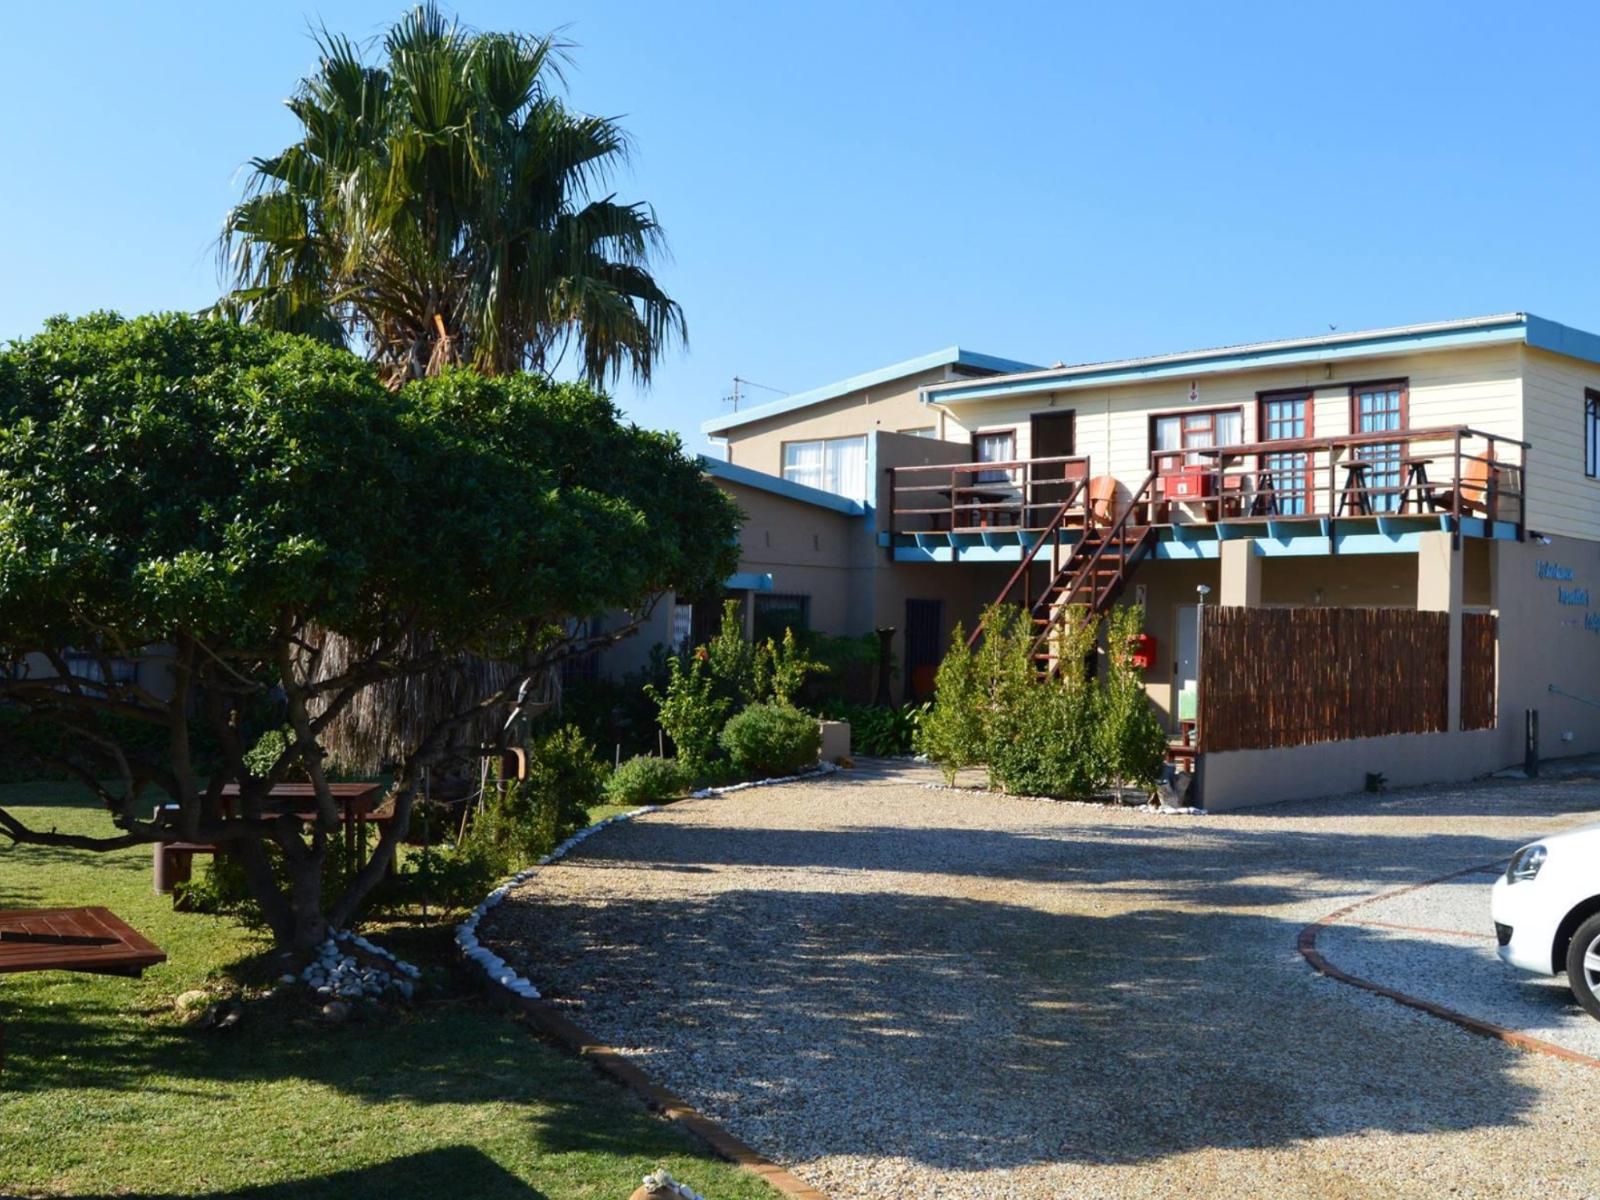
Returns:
(106, 1091)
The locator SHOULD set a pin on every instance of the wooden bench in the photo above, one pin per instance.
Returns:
(89, 940)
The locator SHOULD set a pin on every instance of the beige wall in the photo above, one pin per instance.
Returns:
(1478, 386)
(1562, 500)
(889, 408)
(1543, 642)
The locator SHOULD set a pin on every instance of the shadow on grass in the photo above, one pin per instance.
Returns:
(448, 1171)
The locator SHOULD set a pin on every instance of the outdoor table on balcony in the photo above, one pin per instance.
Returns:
(88, 939)
(356, 801)
(983, 518)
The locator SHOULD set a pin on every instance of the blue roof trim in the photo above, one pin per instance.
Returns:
(1512, 328)
(948, 357)
(1562, 339)
(718, 469)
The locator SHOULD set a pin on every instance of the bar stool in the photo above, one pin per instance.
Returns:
(1354, 494)
(1416, 485)
(1265, 502)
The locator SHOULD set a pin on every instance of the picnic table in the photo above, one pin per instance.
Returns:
(89, 939)
(358, 802)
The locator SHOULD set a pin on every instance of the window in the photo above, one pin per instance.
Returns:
(777, 612)
(1174, 438)
(1285, 477)
(837, 465)
(926, 431)
(1378, 408)
(997, 446)
(1591, 433)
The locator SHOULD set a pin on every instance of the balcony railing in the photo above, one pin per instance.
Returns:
(1404, 472)
(1023, 493)
(1454, 469)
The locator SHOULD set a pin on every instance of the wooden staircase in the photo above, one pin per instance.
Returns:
(1094, 574)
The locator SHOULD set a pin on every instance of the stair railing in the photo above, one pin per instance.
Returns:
(1118, 533)
(1052, 527)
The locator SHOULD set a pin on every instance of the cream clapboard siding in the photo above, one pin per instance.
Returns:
(890, 408)
(1478, 386)
(1562, 500)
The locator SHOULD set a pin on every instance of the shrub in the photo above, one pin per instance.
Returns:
(1043, 733)
(772, 739)
(526, 820)
(645, 779)
(1132, 743)
(692, 714)
(614, 714)
(951, 732)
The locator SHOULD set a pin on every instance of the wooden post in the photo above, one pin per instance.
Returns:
(1455, 499)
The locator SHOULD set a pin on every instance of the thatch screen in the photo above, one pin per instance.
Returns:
(1478, 634)
(1275, 677)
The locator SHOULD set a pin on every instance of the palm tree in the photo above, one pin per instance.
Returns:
(447, 208)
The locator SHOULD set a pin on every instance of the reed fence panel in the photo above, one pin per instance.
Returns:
(1277, 677)
(1479, 632)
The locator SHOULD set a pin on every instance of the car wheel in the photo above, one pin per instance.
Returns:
(1583, 966)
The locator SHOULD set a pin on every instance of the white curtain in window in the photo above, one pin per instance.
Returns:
(1230, 428)
(802, 463)
(1168, 436)
(845, 467)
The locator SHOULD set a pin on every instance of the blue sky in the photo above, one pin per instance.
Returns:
(846, 185)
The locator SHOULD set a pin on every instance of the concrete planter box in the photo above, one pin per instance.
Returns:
(835, 741)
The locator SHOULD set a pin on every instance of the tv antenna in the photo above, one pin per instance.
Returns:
(739, 384)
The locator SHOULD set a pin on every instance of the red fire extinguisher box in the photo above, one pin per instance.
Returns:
(1142, 650)
(1189, 483)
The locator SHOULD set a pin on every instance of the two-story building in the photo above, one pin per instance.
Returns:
(1412, 514)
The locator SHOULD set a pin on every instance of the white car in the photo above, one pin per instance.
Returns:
(1546, 910)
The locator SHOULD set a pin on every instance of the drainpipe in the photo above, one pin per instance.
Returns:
(1201, 591)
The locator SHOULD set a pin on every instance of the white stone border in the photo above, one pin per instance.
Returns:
(809, 773)
(660, 1181)
(496, 968)
(1163, 809)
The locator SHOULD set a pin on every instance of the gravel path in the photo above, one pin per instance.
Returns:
(1392, 942)
(894, 990)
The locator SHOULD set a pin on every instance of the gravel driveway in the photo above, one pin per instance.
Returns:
(898, 992)
(1431, 943)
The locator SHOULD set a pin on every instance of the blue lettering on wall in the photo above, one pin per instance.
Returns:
(1551, 570)
(1574, 596)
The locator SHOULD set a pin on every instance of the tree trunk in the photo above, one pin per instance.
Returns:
(305, 899)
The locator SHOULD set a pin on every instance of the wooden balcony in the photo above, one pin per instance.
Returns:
(1021, 494)
(1453, 472)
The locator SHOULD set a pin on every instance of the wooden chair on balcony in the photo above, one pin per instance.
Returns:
(1473, 489)
(1102, 500)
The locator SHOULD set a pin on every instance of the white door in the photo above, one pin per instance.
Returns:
(1188, 645)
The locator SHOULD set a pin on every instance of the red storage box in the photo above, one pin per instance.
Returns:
(1191, 483)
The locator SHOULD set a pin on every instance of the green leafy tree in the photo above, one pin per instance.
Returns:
(221, 502)
(951, 732)
(1044, 735)
(445, 206)
(1131, 741)
(692, 713)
